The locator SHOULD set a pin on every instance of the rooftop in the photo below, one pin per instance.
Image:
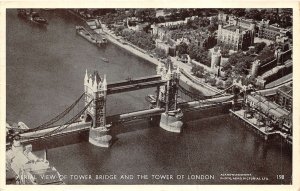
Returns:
(248, 21)
(234, 27)
(268, 106)
(273, 28)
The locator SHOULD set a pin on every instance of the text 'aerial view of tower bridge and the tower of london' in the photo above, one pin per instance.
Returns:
(149, 96)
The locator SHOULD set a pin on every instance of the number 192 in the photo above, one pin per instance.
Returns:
(280, 177)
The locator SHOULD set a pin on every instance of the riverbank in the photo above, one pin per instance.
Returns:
(203, 88)
(130, 48)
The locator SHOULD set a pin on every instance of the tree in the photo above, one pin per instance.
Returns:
(285, 21)
(252, 80)
(212, 28)
(224, 52)
(198, 71)
(207, 77)
(169, 62)
(238, 12)
(259, 47)
(220, 84)
(213, 81)
(161, 53)
(240, 68)
(182, 48)
(226, 67)
(140, 38)
(266, 55)
(119, 30)
(160, 19)
(145, 15)
(213, 24)
(228, 82)
(254, 14)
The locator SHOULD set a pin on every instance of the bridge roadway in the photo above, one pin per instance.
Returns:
(134, 81)
(272, 90)
(134, 86)
(82, 126)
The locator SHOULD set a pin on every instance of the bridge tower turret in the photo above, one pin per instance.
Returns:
(96, 91)
(167, 98)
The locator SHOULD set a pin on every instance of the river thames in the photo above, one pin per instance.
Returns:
(45, 68)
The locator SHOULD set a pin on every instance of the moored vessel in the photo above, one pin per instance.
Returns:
(104, 59)
(32, 16)
(92, 38)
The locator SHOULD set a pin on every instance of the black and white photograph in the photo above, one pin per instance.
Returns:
(149, 96)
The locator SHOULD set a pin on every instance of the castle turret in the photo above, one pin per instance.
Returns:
(215, 59)
(90, 85)
(169, 72)
(86, 78)
(278, 55)
(159, 68)
(104, 83)
(255, 67)
(95, 84)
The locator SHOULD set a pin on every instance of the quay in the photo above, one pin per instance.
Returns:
(144, 55)
(137, 137)
(261, 129)
(89, 36)
(100, 31)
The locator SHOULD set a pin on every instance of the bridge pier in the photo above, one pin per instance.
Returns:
(100, 136)
(171, 121)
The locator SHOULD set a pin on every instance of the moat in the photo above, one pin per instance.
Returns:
(45, 70)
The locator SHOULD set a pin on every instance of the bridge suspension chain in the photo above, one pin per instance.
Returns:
(59, 128)
(57, 118)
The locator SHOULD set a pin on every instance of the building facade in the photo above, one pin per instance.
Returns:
(236, 36)
(271, 32)
(284, 97)
(270, 111)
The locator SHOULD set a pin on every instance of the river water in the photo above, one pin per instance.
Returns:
(45, 67)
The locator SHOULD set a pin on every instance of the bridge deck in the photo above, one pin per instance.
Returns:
(81, 126)
(134, 86)
(77, 126)
(84, 126)
(134, 81)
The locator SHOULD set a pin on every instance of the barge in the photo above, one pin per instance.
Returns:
(32, 16)
(90, 37)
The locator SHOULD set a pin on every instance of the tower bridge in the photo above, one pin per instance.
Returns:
(93, 119)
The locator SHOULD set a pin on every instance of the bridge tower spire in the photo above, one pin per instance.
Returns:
(96, 91)
(167, 98)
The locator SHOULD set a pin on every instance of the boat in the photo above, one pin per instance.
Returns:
(36, 18)
(151, 98)
(92, 38)
(104, 59)
(32, 16)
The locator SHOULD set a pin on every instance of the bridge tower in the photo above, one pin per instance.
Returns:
(167, 98)
(95, 90)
